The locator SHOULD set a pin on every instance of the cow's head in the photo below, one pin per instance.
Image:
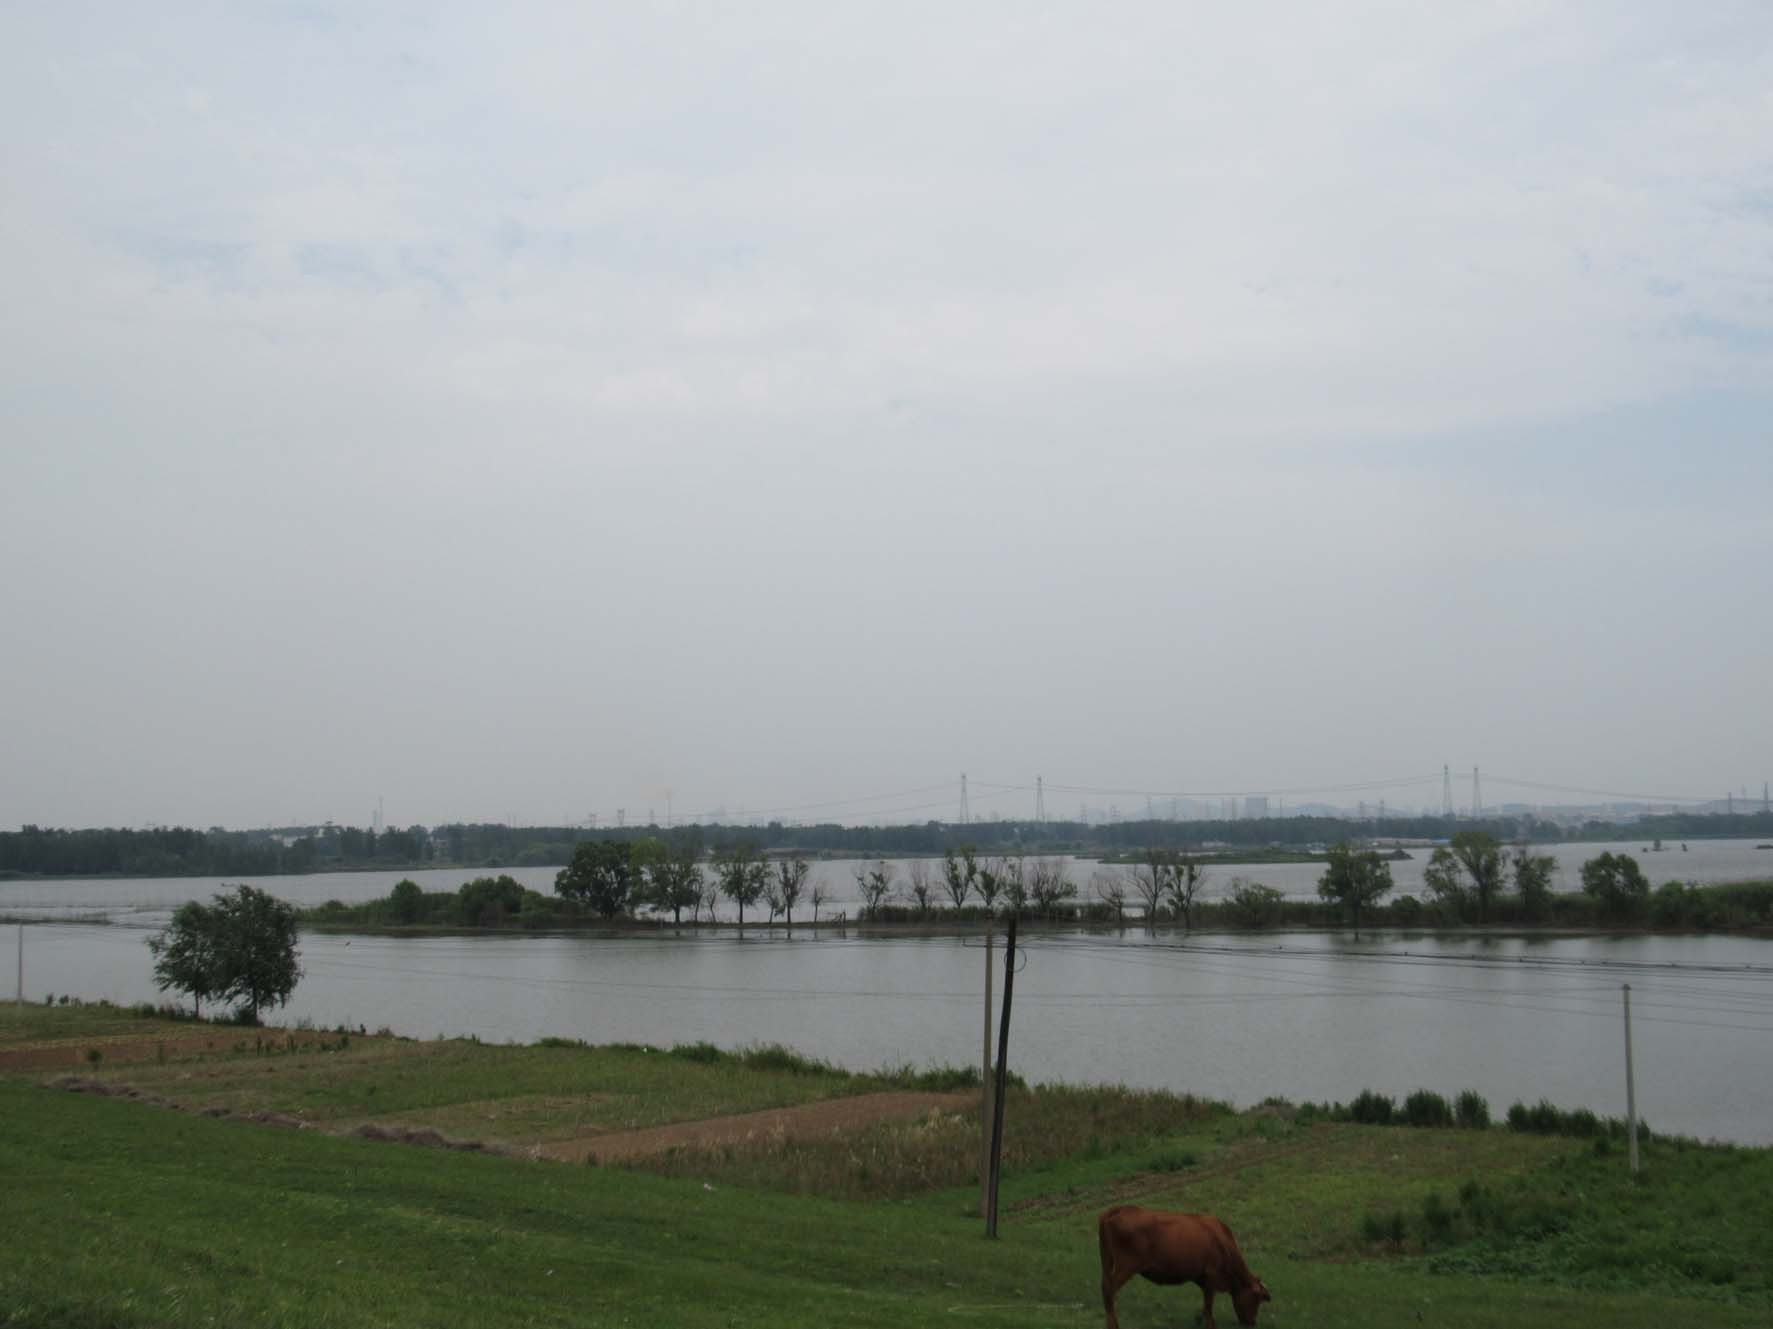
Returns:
(1247, 1300)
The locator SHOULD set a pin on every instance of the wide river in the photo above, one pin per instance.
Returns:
(1302, 1015)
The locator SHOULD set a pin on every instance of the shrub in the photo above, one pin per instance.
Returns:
(775, 1057)
(1406, 909)
(1427, 1108)
(1471, 1110)
(1254, 905)
(405, 900)
(1377, 1227)
(1171, 1161)
(1581, 1123)
(1371, 1109)
(1437, 1219)
(702, 1051)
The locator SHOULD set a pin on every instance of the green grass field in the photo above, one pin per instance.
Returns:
(125, 1214)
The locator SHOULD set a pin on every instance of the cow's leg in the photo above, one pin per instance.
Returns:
(1114, 1277)
(1206, 1310)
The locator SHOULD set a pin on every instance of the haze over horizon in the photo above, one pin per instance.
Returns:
(519, 415)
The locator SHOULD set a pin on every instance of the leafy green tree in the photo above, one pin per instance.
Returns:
(406, 900)
(601, 875)
(1446, 883)
(1532, 879)
(240, 947)
(741, 873)
(256, 938)
(674, 879)
(486, 902)
(1617, 882)
(186, 954)
(1256, 906)
(1466, 875)
(1354, 879)
(1480, 854)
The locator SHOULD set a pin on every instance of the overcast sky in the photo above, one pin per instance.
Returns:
(523, 411)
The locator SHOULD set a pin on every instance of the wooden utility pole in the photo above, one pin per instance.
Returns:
(986, 1114)
(1003, 1059)
(21, 966)
(1631, 1092)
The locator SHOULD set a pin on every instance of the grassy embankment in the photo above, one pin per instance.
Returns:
(132, 1215)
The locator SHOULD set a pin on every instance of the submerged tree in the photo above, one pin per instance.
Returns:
(876, 884)
(1048, 887)
(741, 872)
(1617, 882)
(674, 876)
(960, 871)
(1465, 875)
(602, 874)
(1532, 879)
(791, 876)
(1354, 879)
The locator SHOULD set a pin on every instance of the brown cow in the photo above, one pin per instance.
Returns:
(1176, 1248)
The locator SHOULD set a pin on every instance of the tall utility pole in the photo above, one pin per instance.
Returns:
(965, 815)
(987, 1113)
(1631, 1092)
(1477, 798)
(1040, 799)
(1003, 1066)
(1447, 792)
(21, 966)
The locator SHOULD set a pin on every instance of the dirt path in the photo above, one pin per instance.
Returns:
(1125, 1190)
(806, 1119)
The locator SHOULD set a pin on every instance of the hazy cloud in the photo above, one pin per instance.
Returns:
(522, 414)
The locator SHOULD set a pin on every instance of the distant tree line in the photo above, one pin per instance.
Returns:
(178, 851)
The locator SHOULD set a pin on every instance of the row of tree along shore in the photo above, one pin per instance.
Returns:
(36, 851)
(1473, 880)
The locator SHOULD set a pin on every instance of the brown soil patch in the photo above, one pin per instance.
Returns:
(120, 1049)
(806, 1119)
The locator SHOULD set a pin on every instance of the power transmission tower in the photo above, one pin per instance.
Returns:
(1764, 805)
(1447, 792)
(621, 816)
(965, 814)
(1040, 800)
(1477, 799)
